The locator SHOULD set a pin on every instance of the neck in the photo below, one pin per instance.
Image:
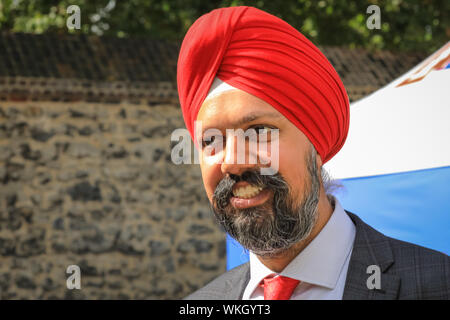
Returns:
(279, 262)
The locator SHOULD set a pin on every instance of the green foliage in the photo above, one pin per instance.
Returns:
(405, 24)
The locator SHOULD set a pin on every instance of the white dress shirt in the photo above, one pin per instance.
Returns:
(321, 266)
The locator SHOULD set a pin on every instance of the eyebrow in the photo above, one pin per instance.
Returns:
(255, 116)
(249, 118)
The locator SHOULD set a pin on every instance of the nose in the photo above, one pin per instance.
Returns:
(237, 157)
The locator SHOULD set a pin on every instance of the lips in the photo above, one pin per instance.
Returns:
(247, 191)
(246, 195)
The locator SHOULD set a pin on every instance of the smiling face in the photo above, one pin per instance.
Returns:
(255, 209)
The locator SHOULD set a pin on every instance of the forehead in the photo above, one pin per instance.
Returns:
(235, 107)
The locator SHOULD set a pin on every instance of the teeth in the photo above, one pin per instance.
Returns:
(247, 192)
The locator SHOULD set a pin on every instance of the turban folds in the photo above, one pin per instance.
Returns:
(263, 55)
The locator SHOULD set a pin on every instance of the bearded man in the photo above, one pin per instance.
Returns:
(242, 68)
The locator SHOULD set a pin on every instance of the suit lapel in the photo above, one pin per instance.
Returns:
(370, 248)
(235, 286)
(356, 284)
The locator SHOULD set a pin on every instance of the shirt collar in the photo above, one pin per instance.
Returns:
(321, 262)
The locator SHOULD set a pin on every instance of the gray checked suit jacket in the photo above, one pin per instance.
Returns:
(408, 271)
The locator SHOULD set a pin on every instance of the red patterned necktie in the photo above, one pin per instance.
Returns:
(278, 288)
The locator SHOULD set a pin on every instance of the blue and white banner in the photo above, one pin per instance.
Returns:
(395, 163)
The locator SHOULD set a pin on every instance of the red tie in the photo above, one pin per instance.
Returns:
(278, 288)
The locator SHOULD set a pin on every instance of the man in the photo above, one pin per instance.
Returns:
(242, 68)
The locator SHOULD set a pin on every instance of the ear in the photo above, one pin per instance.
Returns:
(319, 161)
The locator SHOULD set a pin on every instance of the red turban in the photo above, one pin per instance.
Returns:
(263, 55)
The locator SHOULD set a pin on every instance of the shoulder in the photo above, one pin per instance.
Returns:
(229, 285)
(424, 273)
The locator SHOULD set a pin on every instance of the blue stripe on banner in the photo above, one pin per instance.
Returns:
(236, 254)
(410, 206)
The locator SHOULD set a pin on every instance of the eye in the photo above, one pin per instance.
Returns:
(207, 141)
(263, 132)
(212, 141)
(262, 129)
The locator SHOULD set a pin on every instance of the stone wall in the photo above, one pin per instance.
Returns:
(93, 185)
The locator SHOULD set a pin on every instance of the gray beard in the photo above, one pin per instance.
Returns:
(269, 229)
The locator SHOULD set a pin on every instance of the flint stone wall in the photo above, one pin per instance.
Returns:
(93, 185)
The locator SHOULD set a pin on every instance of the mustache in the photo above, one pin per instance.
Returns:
(224, 189)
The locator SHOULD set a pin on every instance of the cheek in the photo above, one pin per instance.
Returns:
(293, 168)
(210, 179)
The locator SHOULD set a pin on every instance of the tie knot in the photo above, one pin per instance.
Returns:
(279, 288)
